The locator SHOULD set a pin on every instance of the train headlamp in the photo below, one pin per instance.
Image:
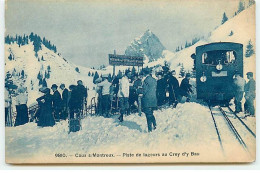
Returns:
(203, 78)
(219, 66)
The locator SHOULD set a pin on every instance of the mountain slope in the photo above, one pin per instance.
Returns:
(59, 69)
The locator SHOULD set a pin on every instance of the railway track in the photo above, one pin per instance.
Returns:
(217, 118)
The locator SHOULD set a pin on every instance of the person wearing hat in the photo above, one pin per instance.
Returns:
(56, 102)
(65, 100)
(105, 95)
(74, 102)
(149, 99)
(239, 84)
(44, 113)
(185, 88)
(250, 95)
(21, 107)
(173, 88)
(83, 94)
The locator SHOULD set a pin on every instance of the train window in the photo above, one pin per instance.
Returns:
(219, 56)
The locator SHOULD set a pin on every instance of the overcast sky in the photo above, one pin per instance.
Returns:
(85, 32)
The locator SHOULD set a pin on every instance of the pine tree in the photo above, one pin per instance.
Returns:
(224, 18)
(10, 57)
(49, 68)
(231, 33)
(77, 69)
(40, 82)
(182, 72)
(96, 76)
(249, 49)
(42, 58)
(39, 76)
(22, 73)
(251, 2)
(89, 74)
(241, 6)
(44, 83)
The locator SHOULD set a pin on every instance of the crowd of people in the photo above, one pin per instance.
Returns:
(124, 94)
(138, 92)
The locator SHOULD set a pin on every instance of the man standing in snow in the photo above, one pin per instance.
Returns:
(105, 98)
(239, 84)
(65, 97)
(250, 95)
(83, 94)
(185, 87)
(173, 85)
(56, 102)
(161, 89)
(149, 100)
(123, 95)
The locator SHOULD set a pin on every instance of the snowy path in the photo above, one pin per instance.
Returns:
(187, 128)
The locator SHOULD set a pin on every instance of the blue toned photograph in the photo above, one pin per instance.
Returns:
(130, 81)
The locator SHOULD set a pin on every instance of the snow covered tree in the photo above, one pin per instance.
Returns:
(224, 18)
(22, 73)
(49, 68)
(251, 2)
(231, 33)
(39, 76)
(44, 83)
(40, 82)
(89, 74)
(95, 77)
(182, 71)
(249, 49)
(10, 57)
(42, 58)
(241, 6)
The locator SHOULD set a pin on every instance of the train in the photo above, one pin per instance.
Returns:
(215, 65)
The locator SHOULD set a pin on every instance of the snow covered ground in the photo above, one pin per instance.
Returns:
(187, 128)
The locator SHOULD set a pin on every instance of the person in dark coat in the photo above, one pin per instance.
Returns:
(161, 90)
(74, 102)
(56, 102)
(65, 100)
(185, 87)
(83, 93)
(173, 88)
(45, 116)
(149, 99)
(250, 95)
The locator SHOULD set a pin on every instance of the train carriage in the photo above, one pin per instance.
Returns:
(216, 64)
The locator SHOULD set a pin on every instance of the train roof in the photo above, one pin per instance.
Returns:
(222, 45)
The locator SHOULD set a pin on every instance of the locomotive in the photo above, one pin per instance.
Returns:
(216, 64)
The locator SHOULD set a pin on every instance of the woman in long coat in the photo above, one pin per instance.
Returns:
(45, 117)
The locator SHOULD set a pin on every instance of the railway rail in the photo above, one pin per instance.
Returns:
(231, 127)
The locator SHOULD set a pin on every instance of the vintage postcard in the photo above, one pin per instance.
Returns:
(135, 81)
